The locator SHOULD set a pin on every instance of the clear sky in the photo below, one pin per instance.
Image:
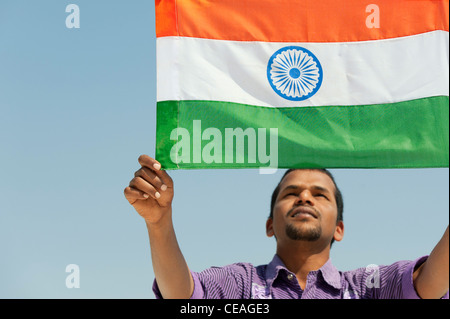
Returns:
(77, 108)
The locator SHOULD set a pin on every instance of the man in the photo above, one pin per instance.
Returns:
(306, 218)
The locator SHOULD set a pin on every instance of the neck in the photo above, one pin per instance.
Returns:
(301, 257)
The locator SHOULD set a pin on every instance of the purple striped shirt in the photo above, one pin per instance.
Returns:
(244, 281)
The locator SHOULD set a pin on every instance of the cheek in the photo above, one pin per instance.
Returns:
(284, 205)
(278, 216)
(329, 214)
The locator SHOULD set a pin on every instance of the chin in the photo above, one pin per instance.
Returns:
(303, 233)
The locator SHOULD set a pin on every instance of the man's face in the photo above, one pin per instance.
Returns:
(305, 209)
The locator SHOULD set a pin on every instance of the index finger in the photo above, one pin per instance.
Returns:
(155, 166)
(149, 162)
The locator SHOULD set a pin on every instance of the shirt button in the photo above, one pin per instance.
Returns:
(290, 276)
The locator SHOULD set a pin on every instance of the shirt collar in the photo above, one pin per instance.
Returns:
(329, 273)
(273, 268)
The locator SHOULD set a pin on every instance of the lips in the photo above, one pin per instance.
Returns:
(303, 211)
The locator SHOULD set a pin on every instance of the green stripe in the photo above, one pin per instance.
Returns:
(411, 134)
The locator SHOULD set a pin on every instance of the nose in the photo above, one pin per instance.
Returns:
(305, 197)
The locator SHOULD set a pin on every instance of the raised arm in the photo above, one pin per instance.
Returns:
(151, 193)
(431, 279)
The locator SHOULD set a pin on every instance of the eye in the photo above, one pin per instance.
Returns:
(321, 195)
(290, 194)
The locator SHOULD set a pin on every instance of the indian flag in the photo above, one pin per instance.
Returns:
(294, 84)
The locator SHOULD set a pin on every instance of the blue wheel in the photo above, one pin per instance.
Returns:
(294, 73)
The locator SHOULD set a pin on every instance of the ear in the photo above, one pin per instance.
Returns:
(339, 231)
(269, 227)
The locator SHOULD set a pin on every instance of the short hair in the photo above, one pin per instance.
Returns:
(337, 193)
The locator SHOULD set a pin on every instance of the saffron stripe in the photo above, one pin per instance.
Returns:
(298, 21)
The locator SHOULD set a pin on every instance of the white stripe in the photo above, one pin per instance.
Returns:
(354, 73)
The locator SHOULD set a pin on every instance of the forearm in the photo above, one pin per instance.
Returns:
(171, 271)
(431, 280)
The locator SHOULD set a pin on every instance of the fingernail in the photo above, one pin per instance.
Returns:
(145, 195)
(157, 195)
(163, 187)
(157, 166)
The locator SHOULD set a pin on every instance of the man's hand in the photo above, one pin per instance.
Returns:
(431, 279)
(151, 194)
(150, 191)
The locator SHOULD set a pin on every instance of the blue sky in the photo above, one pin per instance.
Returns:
(77, 108)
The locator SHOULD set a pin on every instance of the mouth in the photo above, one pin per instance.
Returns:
(303, 212)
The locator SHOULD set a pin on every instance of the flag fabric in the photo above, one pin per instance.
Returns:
(298, 84)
